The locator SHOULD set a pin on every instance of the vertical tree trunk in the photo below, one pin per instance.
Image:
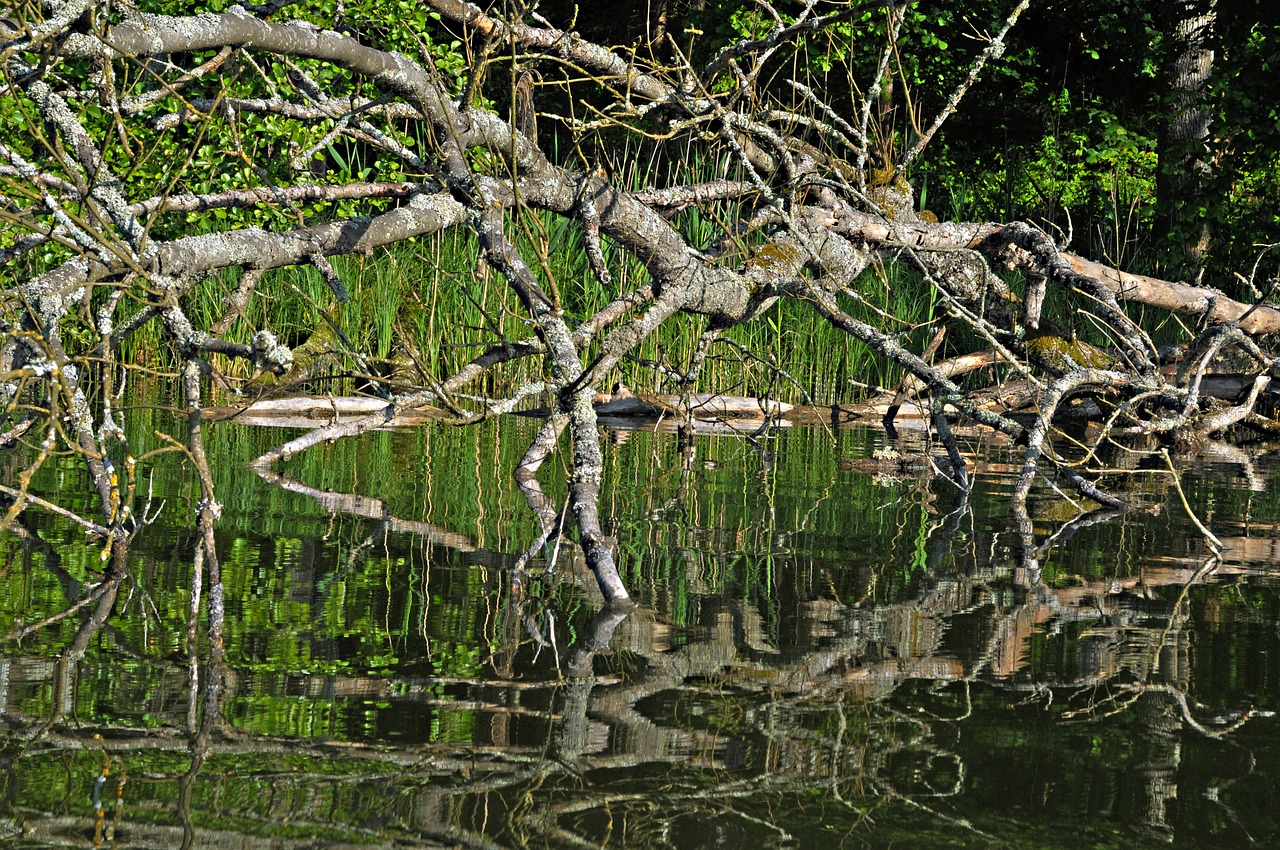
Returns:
(1181, 192)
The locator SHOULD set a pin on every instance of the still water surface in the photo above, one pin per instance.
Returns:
(822, 657)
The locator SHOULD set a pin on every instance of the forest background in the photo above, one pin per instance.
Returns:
(1071, 126)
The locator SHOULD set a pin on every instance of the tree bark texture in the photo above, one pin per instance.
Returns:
(1184, 166)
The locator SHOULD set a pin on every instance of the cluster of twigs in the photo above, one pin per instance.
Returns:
(813, 196)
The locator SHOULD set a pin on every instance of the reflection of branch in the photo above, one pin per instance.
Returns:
(58, 831)
(550, 519)
(94, 596)
(23, 496)
(65, 668)
(1215, 792)
(1221, 732)
(1078, 524)
(217, 677)
(369, 508)
(598, 724)
(1215, 545)
(595, 639)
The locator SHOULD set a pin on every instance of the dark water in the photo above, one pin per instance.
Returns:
(822, 657)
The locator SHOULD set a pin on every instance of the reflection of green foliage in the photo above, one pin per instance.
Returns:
(339, 633)
(330, 595)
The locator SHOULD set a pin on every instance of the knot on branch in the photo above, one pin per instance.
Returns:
(717, 293)
(1012, 256)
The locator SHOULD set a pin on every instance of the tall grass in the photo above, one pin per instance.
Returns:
(427, 306)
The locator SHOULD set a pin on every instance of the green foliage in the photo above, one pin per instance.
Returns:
(1245, 179)
(203, 150)
(1064, 128)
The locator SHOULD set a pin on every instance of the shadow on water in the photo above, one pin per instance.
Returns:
(830, 650)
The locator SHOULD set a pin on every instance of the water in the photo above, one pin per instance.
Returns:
(822, 657)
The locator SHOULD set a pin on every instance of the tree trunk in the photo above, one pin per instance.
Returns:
(1184, 171)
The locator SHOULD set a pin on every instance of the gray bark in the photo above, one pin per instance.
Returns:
(797, 220)
(1184, 155)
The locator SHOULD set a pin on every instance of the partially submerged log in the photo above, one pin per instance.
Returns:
(702, 406)
(317, 411)
(706, 411)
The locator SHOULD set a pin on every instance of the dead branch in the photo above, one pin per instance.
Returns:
(800, 207)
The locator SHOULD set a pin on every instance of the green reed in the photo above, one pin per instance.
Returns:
(427, 306)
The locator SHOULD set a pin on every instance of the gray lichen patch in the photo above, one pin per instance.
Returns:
(269, 354)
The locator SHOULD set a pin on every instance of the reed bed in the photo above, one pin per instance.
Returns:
(420, 310)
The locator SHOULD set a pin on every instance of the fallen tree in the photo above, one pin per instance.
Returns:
(811, 196)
